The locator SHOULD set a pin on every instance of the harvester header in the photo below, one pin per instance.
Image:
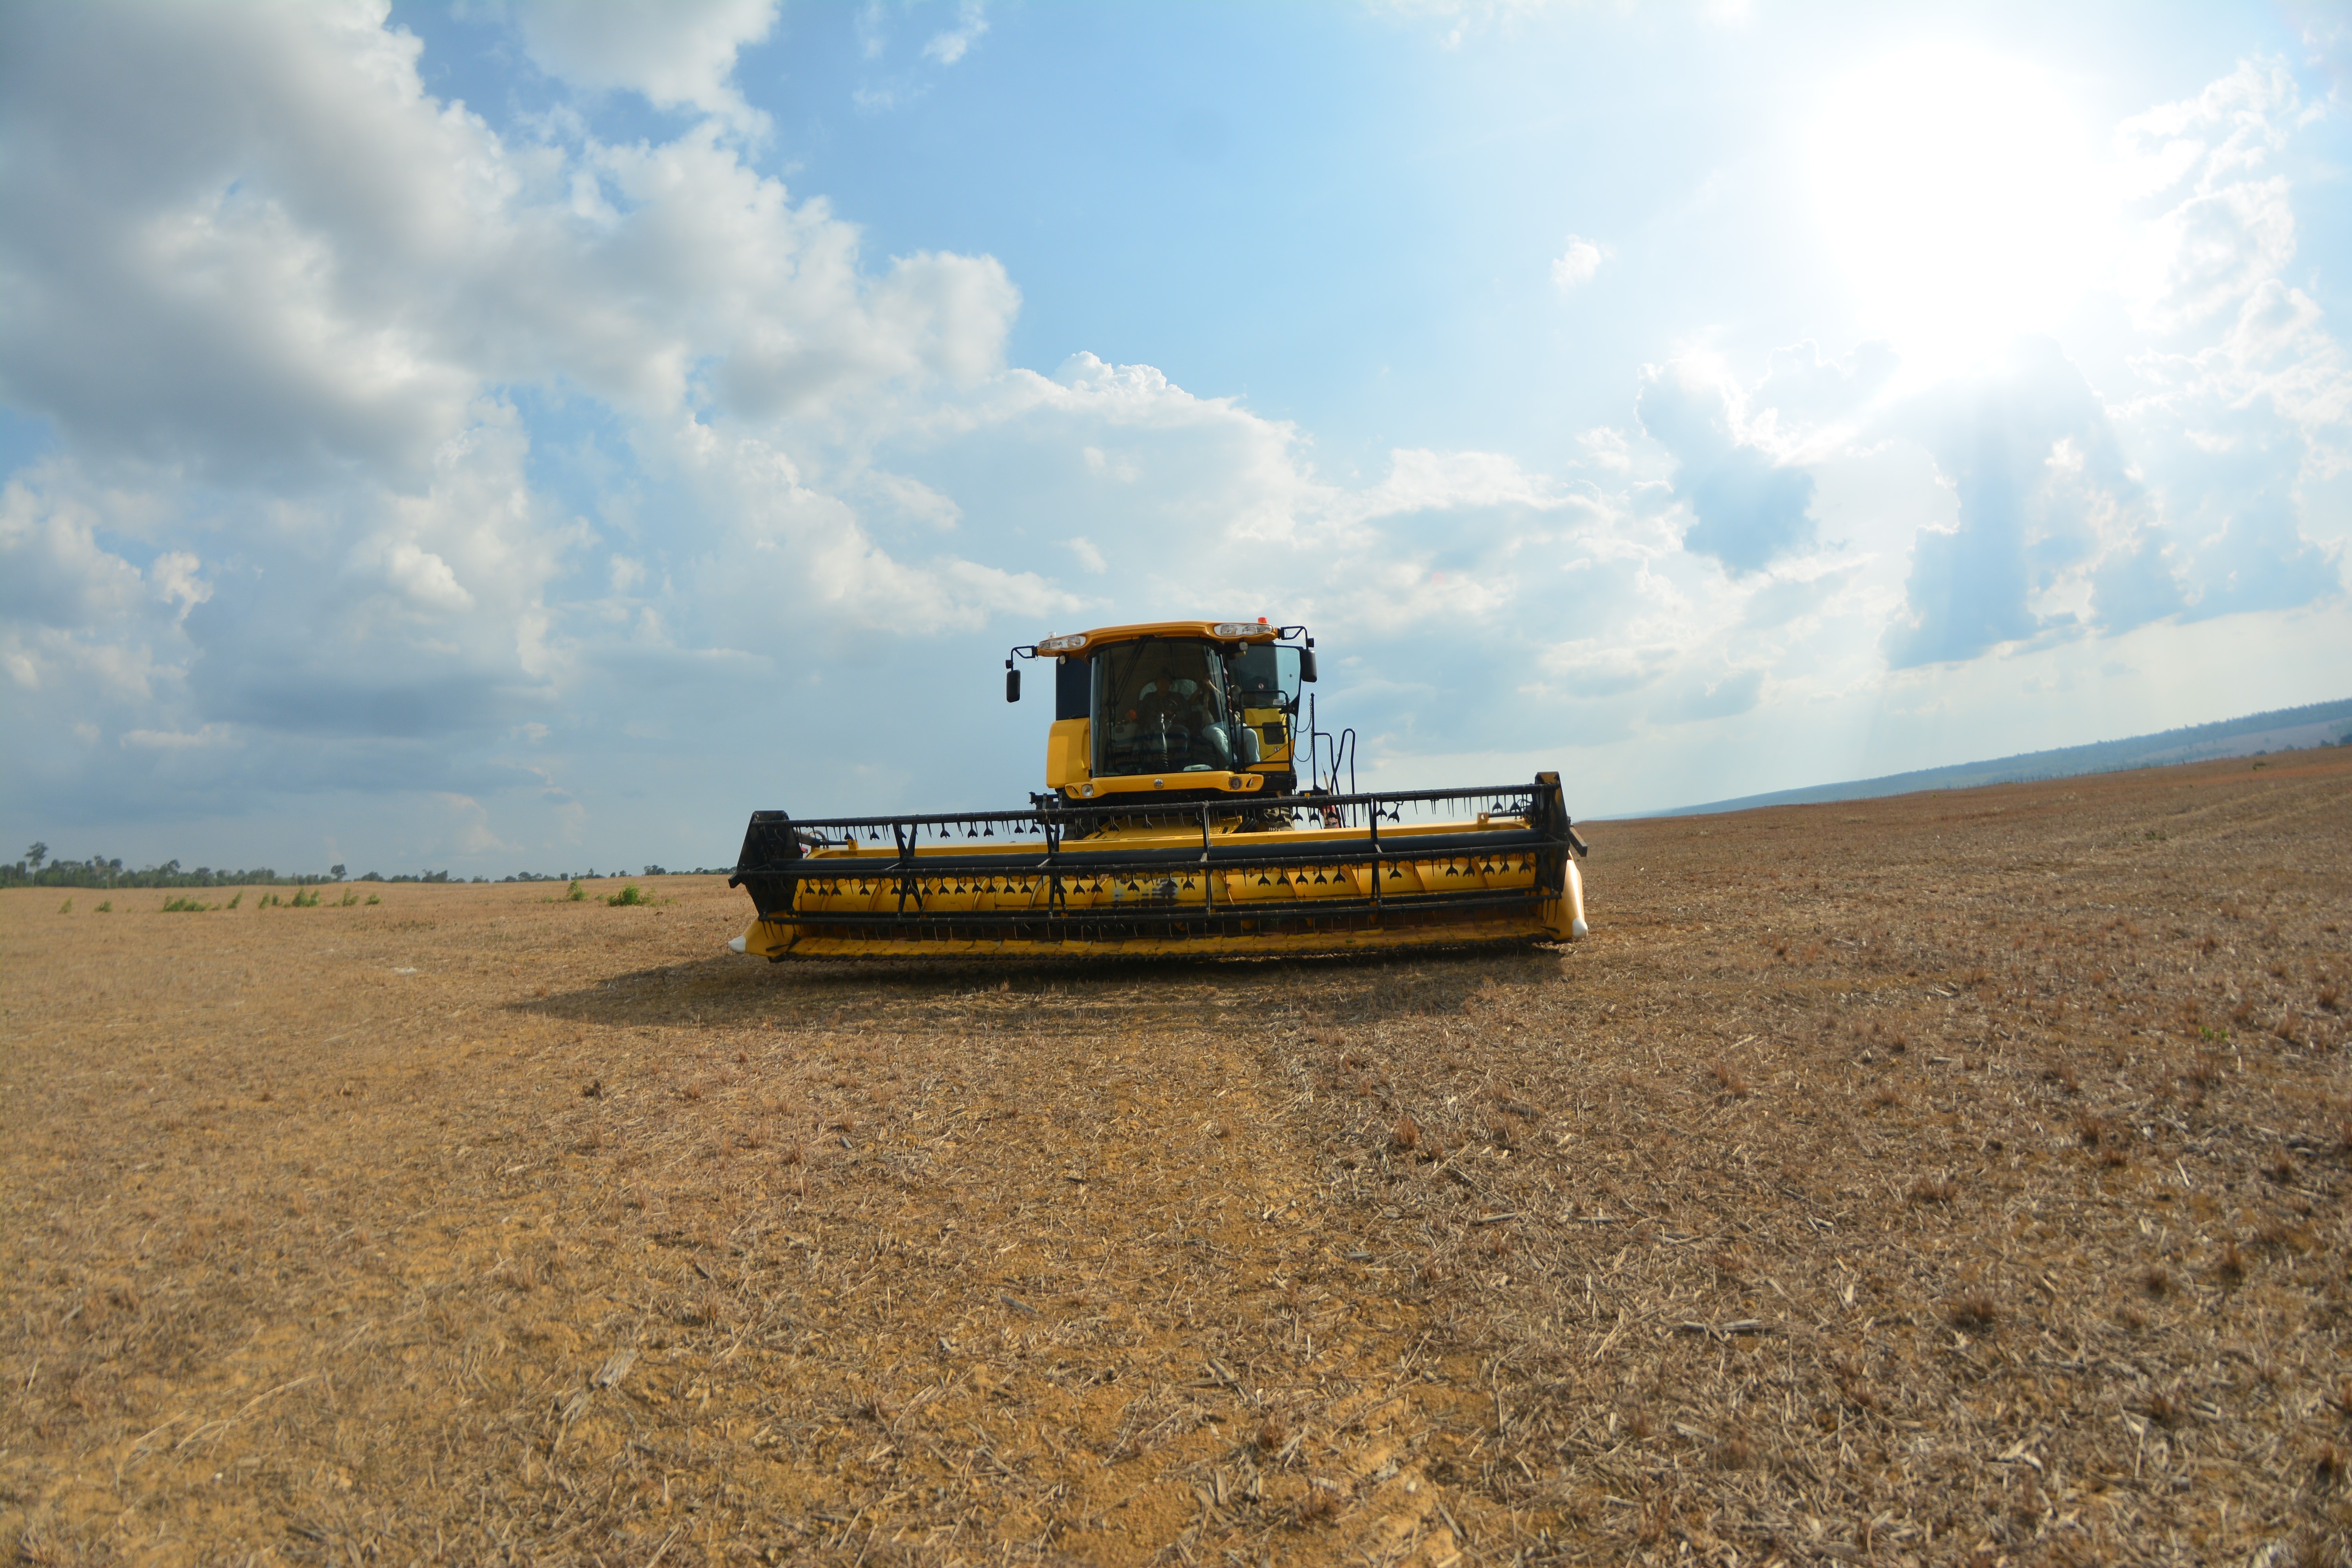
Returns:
(1188, 809)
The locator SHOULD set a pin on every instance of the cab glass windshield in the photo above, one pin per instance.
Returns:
(1160, 706)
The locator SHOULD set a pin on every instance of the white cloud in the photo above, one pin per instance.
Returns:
(326, 268)
(2203, 257)
(1600, 668)
(2233, 127)
(1420, 480)
(888, 88)
(172, 578)
(425, 577)
(1606, 449)
(307, 290)
(175, 741)
(53, 571)
(2245, 415)
(1576, 266)
(2276, 356)
(2216, 257)
(2221, 226)
(1098, 461)
(954, 42)
(679, 54)
(914, 499)
(1747, 508)
(471, 824)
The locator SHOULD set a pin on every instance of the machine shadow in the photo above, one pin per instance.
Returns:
(729, 992)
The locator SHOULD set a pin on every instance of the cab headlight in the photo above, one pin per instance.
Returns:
(1235, 629)
(1062, 645)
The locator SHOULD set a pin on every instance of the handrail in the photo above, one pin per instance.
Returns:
(1067, 860)
(1234, 806)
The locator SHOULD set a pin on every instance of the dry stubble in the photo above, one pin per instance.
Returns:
(1942, 1179)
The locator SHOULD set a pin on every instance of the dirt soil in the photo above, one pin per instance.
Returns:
(1958, 1178)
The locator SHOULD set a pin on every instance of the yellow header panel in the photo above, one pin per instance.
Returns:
(1066, 750)
(1252, 630)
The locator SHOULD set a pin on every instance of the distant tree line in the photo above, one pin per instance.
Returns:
(591, 874)
(37, 870)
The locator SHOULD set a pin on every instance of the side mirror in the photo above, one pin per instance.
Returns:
(1306, 664)
(1012, 682)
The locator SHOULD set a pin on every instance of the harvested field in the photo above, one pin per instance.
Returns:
(1958, 1178)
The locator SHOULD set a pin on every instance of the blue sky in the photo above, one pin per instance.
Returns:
(511, 436)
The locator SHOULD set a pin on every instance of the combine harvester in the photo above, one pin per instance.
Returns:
(1173, 824)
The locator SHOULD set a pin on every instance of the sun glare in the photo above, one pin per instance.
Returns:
(1960, 194)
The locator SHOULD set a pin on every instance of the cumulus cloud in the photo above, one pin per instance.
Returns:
(175, 741)
(679, 54)
(952, 43)
(1749, 508)
(327, 268)
(54, 572)
(1576, 265)
(2221, 223)
(1804, 391)
(472, 823)
(2240, 431)
(212, 213)
(940, 49)
(2058, 532)
(2203, 257)
(2262, 562)
(274, 296)
(1420, 481)
(1725, 697)
(2029, 451)
(1606, 449)
(2076, 514)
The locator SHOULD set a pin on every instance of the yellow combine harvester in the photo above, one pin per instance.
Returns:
(1175, 822)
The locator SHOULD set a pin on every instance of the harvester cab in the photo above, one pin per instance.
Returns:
(1184, 710)
(1188, 810)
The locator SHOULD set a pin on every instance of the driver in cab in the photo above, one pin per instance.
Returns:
(1165, 697)
(1171, 717)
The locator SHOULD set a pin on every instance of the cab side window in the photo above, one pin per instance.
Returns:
(1073, 686)
(1266, 677)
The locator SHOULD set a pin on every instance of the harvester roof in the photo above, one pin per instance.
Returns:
(1259, 630)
